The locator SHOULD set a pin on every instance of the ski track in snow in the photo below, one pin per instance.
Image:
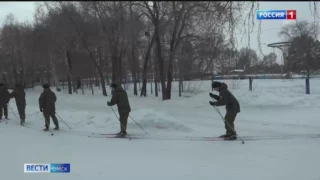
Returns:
(274, 108)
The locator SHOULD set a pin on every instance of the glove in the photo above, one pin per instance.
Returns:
(108, 103)
(41, 110)
(212, 103)
(216, 97)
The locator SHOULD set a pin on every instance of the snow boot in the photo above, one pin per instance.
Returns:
(225, 135)
(119, 133)
(230, 138)
(122, 134)
(56, 128)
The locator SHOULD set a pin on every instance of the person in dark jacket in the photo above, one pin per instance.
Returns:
(47, 105)
(4, 100)
(20, 97)
(120, 98)
(227, 99)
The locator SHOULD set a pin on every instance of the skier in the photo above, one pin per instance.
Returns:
(47, 102)
(20, 97)
(4, 100)
(120, 98)
(232, 106)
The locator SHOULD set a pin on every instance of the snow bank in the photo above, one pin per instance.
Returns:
(266, 93)
(276, 93)
(152, 119)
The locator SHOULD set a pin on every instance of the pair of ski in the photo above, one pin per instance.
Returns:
(102, 135)
(112, 135)
(245, 138)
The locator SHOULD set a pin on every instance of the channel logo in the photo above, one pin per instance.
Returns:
(276, 14)
(46, 168)
(59, 168)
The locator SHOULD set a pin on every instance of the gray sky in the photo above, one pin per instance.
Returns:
(24, 11)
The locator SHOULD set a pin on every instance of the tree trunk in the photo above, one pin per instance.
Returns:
(69, 72)
(134, 71)
(308, 82)
(180, 73)
(145, 68)
(182, 87)
(82, 85)
(134, 66)
(151, 90)
(102, 80)
(91, 86)
(160, 61)
(120, 78)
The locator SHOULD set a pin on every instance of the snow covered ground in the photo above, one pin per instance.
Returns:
(275, 108)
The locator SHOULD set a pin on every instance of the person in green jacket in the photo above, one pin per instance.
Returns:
(4, 100)
(120, 98)
(227, 99)
(20, 97)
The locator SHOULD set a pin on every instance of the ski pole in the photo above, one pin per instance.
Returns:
(131, 118)
(138, 124)
(228, 123)
(63, 121)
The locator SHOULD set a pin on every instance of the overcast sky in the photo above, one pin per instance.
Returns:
(24, 11)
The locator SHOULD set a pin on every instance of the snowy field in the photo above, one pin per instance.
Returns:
(278, 111)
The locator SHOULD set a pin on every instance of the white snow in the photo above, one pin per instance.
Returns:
(274, 108)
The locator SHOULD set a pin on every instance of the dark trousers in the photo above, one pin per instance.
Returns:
(47, 119)
(123, 121)
(4, 110)
(22, 112)
(229, 122)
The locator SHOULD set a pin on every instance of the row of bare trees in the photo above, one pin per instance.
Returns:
(124, 41)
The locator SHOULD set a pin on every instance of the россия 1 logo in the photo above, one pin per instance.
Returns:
(276, 14)
(46, 168)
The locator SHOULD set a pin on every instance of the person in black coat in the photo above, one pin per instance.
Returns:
(227, 99)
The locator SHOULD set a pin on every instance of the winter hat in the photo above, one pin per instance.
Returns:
(216, 84)
(1, 84)
(46, 86)
(113, 85)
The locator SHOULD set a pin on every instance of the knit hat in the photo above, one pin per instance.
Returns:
(46, 86)
(216, 84)
(113, 85)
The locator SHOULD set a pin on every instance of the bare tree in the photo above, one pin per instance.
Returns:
(247, 58)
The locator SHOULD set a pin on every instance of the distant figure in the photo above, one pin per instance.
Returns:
(4, 100)
(120, 98)
(20, 97)
(227, 99)
(47, 102)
